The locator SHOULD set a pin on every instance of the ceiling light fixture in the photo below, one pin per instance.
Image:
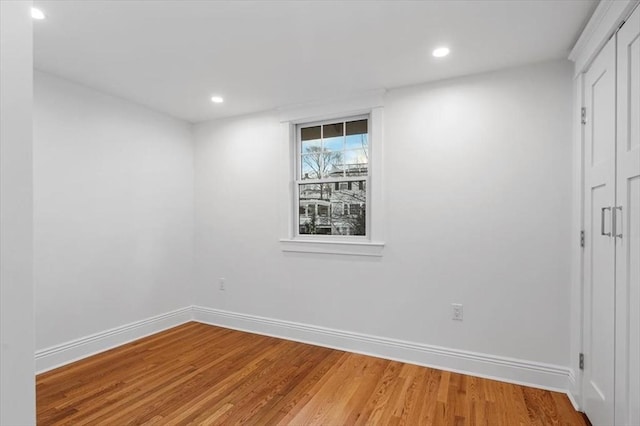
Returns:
(441, 52)
(37, 14)
(217, 99)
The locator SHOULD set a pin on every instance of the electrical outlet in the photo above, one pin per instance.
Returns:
(456, 311)
(222, 284)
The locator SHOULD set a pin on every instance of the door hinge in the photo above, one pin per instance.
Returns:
(581, 238)
(581, 362)
(583, 115)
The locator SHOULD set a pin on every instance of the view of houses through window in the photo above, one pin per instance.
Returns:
(333, 171)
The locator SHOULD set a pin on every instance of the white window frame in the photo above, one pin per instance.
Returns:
(370, 106)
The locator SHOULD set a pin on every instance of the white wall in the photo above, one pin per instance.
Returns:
(113, 212)
(478, 190)
(17, 390)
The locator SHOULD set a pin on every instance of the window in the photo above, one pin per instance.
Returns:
(332, 172)
(331, 186)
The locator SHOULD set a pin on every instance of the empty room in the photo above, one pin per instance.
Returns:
(320, 212)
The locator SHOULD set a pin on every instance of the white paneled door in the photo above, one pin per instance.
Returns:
(599, 193)
(627, 224)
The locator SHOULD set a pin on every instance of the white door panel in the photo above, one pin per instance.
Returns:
(599, 288)
(628, 224)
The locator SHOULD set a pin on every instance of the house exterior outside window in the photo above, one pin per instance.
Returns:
(333, 170)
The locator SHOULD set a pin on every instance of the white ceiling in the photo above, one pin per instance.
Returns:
(172, 55)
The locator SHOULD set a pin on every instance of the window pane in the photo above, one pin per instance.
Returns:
(310, 139)
(350, 219)
(356, 162)
(315, 200)
(332, 163)
(310, 166)
(332, 130)
(357, 127)
(310, 133)
(310, 146)
(357, 141)
(329, 211)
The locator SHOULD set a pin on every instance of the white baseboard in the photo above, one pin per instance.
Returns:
(522, 372)
(65, 353)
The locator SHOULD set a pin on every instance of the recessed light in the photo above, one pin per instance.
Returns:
(217, 99)
(37, 14)
(441, 52)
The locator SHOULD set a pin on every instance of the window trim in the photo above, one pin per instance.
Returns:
(372, 244)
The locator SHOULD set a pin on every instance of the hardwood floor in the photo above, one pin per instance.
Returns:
(200, 374)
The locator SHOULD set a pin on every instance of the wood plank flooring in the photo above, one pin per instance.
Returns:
(200, 374)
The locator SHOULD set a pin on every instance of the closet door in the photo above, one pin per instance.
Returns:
(599, 253)
(628, 225)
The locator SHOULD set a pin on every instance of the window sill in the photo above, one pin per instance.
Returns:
(351, 248)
